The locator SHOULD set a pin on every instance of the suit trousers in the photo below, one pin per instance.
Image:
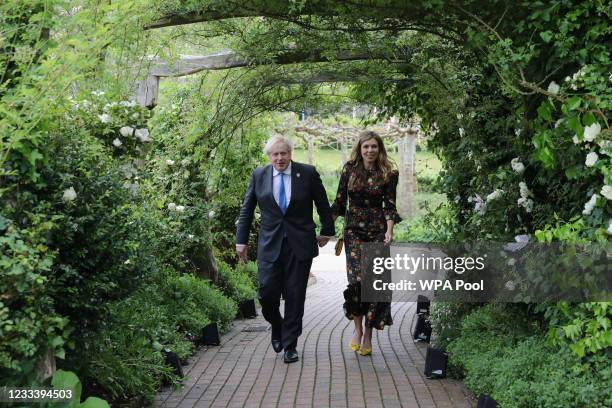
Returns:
(287, 276)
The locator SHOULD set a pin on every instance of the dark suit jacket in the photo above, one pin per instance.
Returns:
(306, 188)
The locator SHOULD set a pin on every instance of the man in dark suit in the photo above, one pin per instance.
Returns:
(285, 191)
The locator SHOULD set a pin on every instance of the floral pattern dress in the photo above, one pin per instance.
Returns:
(365, 220)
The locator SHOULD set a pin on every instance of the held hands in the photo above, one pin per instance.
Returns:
(388, 237)
(242, 254)
(322, 241)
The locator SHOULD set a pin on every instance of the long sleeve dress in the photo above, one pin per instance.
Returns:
(365, 220)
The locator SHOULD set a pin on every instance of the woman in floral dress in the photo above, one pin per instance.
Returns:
(368, 183)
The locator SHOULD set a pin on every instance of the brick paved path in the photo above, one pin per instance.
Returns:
(244, 371)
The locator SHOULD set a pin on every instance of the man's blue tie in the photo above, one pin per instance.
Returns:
(282, 199)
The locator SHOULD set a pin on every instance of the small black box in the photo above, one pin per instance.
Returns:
(422, 305)
(484, 401)
(172, 359)
(422, 330)
(247, 309)
(210, 335)
(435, 363)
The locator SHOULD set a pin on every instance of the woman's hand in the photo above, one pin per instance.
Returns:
(388, 237)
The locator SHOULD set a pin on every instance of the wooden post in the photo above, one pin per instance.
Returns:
(407, 176)
(310, 139)
(147, 91)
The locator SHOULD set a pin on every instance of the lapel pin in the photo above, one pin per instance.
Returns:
(297, 175)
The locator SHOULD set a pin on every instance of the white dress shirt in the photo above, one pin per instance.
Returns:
(276, 179)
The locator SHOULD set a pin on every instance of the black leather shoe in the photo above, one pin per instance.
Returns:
(277, 345)
(291, 356)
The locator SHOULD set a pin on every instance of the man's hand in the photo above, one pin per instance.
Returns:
(241, 250)
(322, 241)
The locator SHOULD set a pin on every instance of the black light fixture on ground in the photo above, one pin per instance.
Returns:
(436, 361)
(247, 309)
(422, 305)
(210, 335)
(173, 360)
(484, 401)
(422, 330)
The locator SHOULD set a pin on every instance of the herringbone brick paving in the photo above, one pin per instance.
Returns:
(244, 371)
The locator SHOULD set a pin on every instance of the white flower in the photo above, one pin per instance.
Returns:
(190, 236)
(509, 285)
(180, 208)
(526, 203)
(517, 132)
(494, 195)
(126, 131)
(589, 205)
(517, 166)
(172, 207)
(170, 162)
(211, 214)
(524, 191)
(223, 170)
(553, 88)
(606, 191)
(127, 262)
(69, 194)
(117, 143)
(142, 135)
(135, 115)
(591, 159)
(480, 206)
(459, 116)
(592, 131)
(575, 139)
(97, 93)
(104, 118)
(609, 226)
(461, 132)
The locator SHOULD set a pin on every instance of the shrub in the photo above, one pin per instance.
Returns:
(236, 283)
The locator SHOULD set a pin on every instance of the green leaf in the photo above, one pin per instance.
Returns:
(94, 402)
(546, 36)
(573, 103)
(67, 380)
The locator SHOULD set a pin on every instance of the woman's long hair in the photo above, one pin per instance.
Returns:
(383, 164)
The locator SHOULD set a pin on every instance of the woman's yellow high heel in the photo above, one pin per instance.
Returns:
(354, 347)
(365, 351)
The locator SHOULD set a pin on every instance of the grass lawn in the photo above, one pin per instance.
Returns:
(329, 160)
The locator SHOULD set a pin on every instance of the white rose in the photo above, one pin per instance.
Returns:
(104, 118)
(117, 143)
(69, 194)
(494, 195)
(126, 131)
(524, 191)
(170, 162)
(606, 191)
(172, 207)
(575, 139)
(589, 205)
(180, 208)
(517, 166)
(211, 214)
(142, 135)
(591, 159)
(592, 131)
(553, 88)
